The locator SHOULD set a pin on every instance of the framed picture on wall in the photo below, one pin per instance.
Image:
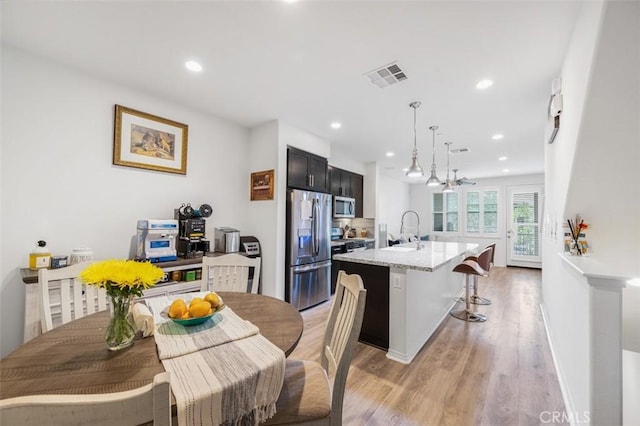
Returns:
(262, 185)
(150, 142)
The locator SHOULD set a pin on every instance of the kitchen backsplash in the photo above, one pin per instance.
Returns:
(359, 224)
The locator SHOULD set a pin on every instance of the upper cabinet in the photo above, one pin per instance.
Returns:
(307, 171)
(347, 184)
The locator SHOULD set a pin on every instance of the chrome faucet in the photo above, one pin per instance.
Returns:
(418, 228)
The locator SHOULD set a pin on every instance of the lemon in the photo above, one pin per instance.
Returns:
(213, 299)
(178, 308)
(196, 300)
(200, 309)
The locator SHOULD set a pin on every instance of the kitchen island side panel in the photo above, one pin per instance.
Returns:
(419, 302)
(375, 324)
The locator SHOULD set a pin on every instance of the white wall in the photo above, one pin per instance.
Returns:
(263, 214)
(393, 199)
(421, 201)
(598, 137)
(341, 160)
(59, 184)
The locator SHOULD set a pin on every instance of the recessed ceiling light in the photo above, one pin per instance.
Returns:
(505, 170)
(484, 84)
(336, 125)
(497, 136)
(405, 170)
(193, 66)
(390, 154)
(502, 158)
(289, 1)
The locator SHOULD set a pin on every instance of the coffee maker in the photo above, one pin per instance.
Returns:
(192, 242)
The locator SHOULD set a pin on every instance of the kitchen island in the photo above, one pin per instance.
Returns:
(409, 292)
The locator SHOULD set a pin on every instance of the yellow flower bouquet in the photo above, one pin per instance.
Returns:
(122, 280)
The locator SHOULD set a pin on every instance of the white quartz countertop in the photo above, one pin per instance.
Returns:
(430, 257)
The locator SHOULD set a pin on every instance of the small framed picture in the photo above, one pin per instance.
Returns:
(150, 142)
(262, 185)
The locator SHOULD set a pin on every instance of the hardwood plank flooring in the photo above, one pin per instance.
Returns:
(499, 372)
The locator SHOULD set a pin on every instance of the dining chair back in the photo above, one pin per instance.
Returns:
(63, 296)
(149, 403)
(306, 396)
(230, 273)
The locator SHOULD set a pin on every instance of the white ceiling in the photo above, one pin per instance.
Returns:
(303, 63)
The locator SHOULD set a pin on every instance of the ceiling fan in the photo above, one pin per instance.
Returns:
(462, 180)
(458, 182)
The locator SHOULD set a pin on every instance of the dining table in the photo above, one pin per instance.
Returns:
(73, 358)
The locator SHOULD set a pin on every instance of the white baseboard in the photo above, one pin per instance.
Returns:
(566, 395)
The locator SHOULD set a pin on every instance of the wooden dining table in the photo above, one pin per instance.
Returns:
(74, 359)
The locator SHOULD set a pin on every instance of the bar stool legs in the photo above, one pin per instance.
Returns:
(470, 269)
(475, 299)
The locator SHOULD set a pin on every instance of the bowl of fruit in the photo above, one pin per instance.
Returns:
(197, 311)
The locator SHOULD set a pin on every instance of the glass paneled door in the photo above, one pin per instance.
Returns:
(523, 226)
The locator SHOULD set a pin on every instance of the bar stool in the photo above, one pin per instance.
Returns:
(485, 261)
(471, 269)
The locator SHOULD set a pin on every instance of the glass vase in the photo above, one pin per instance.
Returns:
(121, 331)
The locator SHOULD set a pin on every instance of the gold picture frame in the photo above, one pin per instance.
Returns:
(149, 142)
(262, 185)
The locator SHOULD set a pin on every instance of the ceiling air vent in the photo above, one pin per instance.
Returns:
(460, 150)
(386, 75)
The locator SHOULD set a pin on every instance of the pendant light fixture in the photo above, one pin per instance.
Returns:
(448, 187)
(415, 170)
(433, 179)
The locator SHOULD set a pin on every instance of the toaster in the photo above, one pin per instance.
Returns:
(227, 240)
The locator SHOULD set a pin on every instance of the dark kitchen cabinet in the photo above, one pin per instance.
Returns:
(307, 171)
(375, 324)
(347, 184)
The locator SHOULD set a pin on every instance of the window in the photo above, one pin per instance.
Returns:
(445, 211)
(482, 211)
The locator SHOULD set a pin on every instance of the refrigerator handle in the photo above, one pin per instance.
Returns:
(316, 227)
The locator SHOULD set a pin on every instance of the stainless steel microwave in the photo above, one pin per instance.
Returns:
(344, 206)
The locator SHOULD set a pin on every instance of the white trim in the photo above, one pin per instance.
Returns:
(564, 388)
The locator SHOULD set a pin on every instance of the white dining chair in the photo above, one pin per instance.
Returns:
(307, 396)
(63, 296)
(230, 273)
(150, 403)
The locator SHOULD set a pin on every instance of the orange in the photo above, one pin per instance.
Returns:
(213, 299)
(178, 308)
(200, 309)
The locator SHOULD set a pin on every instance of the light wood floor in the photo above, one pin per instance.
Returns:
(499, 372)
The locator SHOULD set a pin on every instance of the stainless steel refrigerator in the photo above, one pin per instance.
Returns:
(308, 275)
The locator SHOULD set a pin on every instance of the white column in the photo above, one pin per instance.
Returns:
(606, 350)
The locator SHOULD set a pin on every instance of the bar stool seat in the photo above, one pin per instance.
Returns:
(471, 269)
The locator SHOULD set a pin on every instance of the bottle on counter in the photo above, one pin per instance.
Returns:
(40, 256)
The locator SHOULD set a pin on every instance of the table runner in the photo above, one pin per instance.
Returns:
(223, 371)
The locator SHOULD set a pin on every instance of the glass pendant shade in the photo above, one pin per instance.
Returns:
(433, 179)
(415, 170)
